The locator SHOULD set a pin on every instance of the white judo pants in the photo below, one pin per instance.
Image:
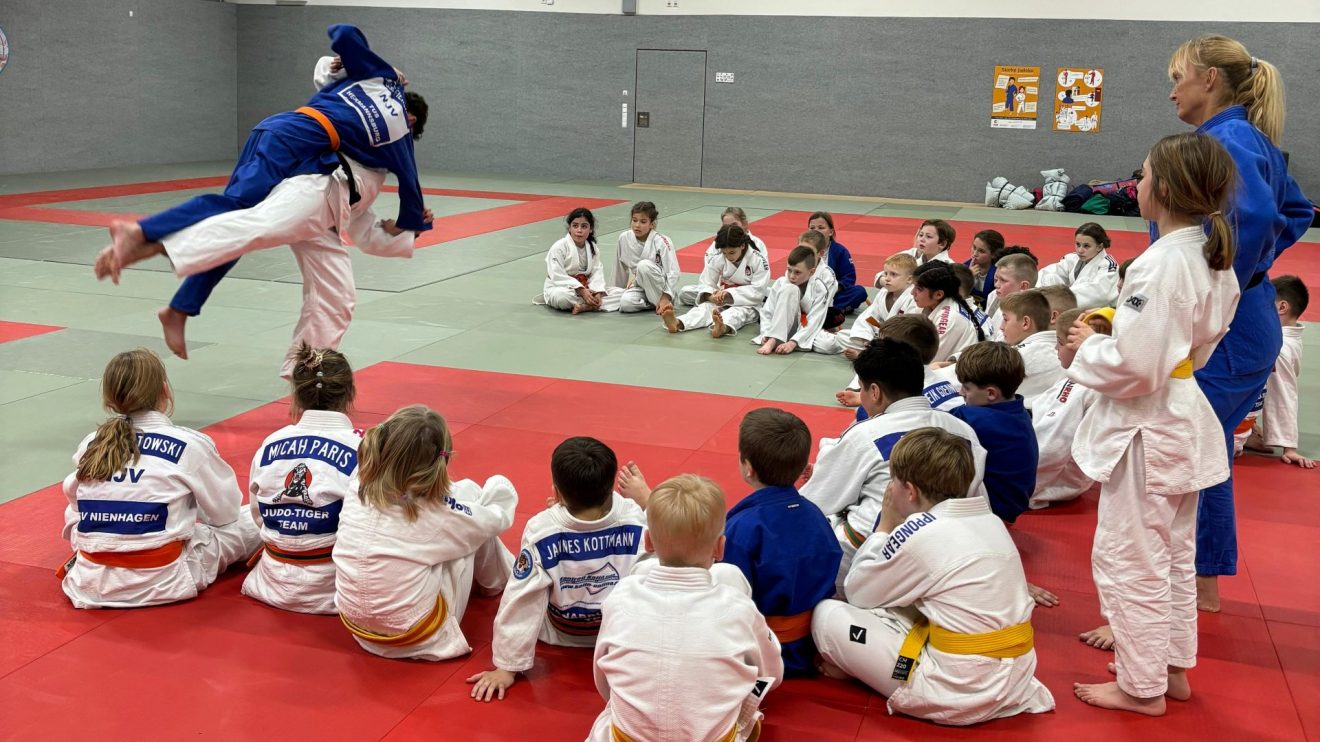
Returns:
(210, 551)
(301, 588)
(297, 213)
(863, 643)
(487, 570)
(565, 299)
(1144, 564)
(688, 295)
(781, 314)
(647, 290)
(702, 315)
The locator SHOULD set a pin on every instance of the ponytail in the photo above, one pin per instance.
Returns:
(936, 276)
(1263, 97)
(1248, 81)
(321, 380)
(1219, 243)
(1192, 175)
(971, 316)
(113, 448)
(133, 381)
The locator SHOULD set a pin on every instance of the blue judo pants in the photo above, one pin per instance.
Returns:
(1232, 380)
(266, 160)
(849, 299)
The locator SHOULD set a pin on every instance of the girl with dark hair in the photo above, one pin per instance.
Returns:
(986, 248)
(937, 292)
(574, 276)
(1089, 271)
(738, 276)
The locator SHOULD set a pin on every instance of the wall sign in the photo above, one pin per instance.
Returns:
(1014, 97)
(1077, 102)
(4, 50)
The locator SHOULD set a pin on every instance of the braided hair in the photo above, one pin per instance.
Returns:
(935, 276)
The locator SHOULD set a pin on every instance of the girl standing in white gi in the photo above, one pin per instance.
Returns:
(937, 292)
(154, 512)
(1152, 437)
(646, 265)
(300, 477)
(574, 278)
(1089, 271)
(412, 545)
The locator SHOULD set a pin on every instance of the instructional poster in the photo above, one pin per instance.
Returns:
(1016, 92)
(1077, 101)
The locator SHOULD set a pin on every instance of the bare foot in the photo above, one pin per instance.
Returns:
(1110, 696)
(172, 322)
(768, 347)
(849, 398)
(718, 329)
(1207, 593)
(671, 323)
(129, 244)
(665, 305)
(1179, 689)
(1101, 637)
(831, 670)
(1042, 596)
(632, 484)
(1255, 443)
(851, 353)
(106, 265)
(584, 307)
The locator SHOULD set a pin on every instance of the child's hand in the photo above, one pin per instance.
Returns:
(491, 683)
(785, 348)
(388, 226)
(851, 353)
(1078, 333)
(336, 65)
(890, 518)
(1290, 456)
(719, 297)
(1042, 596)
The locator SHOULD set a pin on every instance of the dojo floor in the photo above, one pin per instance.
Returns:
(454, 328)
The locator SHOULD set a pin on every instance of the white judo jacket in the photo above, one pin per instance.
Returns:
(957, 565)
(1279, 415)
(1095, 284)
(1056, 416)
(956, 330)
(564, 571)
(1041, 358)
(746, 281)
(682, 655)
(658, 249)
(564, 261)
(1173, 307)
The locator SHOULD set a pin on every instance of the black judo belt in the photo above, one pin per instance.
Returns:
(353, 195)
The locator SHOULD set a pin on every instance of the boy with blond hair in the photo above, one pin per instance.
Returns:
(941, 557)
(1061, 299)
(893, 299)
(683, 654)
(1026, 326)
(1013, 273)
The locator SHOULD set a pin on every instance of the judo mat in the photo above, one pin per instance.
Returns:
(454, 328)
(227, 666)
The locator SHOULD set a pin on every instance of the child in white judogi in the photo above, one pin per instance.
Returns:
(937, 292)
(300, 477)
(412, 545)
(572, 557)
(821, 245)
(794, 309)
(1014, 272)
(1024, 315)
(932, 243)
(154, 513)
(1278, 421)
(733, 215)
(851, 472)
(683, 654)
(574, 277)
(938, 617)
(1090, 271)
(938, 385)
(737, 277)
(1152, 439)
(1057, 414)
(893, 299)
(646, 266)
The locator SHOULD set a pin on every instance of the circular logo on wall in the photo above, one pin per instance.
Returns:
(4, 50)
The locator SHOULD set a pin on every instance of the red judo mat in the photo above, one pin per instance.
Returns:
(871, 239)
(226, 666)
(18, 330)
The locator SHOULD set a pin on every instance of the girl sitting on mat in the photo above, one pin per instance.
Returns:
(412, 545)
(574, 276)
(154, 513)
(300, 477)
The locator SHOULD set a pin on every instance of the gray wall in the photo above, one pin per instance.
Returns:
(886, 106)
(89, 87)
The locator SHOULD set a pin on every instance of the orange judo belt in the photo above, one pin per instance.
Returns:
(325, 123)
(144, 559)
(790, 628)
(419, 632)
(288, 556)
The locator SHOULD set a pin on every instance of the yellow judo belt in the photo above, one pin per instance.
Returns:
(1182, 370)
(1013, 641)
(420, 631)
(620, 736)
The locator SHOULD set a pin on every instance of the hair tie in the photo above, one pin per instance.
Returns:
(1255, 63)
(319, 385)
(1214, 214)
(320, 374)
(126, 418)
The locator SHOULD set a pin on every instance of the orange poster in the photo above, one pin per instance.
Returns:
(1014, 97)
(1077, 101)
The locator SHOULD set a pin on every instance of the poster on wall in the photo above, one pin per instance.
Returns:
(1015, 95)
(1077, 101)
(4, 50)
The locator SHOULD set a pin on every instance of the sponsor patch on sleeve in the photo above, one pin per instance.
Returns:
(1136, 301)
(523, 566)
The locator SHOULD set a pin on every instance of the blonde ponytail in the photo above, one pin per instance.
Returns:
(1192, 175)
(1249, 82)
(134, 381)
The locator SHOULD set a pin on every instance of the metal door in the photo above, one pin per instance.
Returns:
(670, 116)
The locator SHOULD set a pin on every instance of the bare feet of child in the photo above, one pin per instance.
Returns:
(768, 347)
(127, 246)
(665, 305)
(171, 322)
(631, 484)
(718, 329)
(1101, 637)
(1290, 456)
(1207, 593)
(830, 670)
(671, 323)
(1110, 696)
(851, 353)
(849, 398)
(1042, 596)
(1179, 688)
